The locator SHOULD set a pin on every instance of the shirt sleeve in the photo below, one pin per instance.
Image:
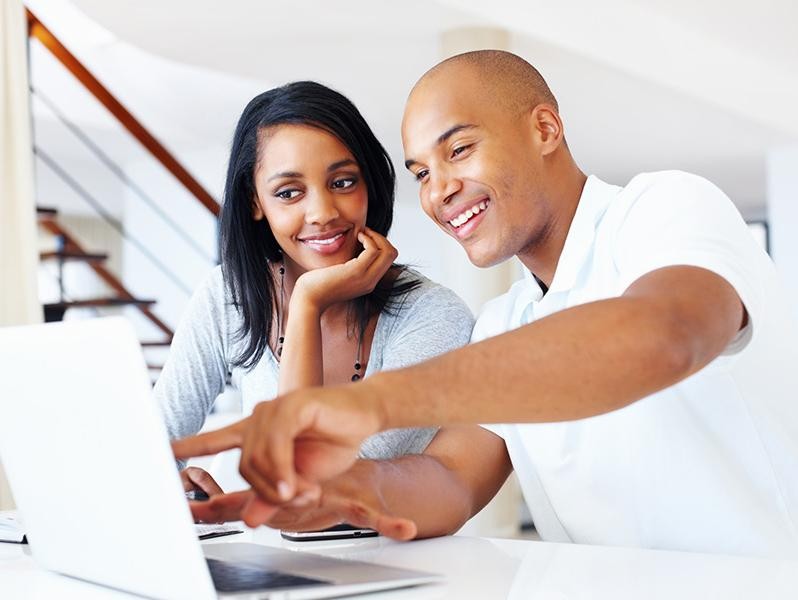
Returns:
(196, 370)
(685, 220)
(431, 321)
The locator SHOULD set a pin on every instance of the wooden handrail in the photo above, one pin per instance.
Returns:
(37, 30)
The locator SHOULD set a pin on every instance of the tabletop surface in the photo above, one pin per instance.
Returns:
(487, 568)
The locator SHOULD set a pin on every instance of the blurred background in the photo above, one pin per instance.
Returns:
(128, 226)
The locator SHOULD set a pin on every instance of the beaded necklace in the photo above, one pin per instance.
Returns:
(281, 337)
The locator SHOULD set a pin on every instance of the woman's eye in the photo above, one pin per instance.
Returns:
(342, 184)
(459, 150)
(287, 194)
(421, 174)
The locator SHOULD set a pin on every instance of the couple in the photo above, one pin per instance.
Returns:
(640, 379)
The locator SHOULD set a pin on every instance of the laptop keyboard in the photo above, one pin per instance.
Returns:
(230, 577)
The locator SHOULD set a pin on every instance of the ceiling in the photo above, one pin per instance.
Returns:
(705, 86)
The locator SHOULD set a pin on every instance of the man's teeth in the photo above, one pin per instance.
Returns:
(463, 217)
(326, 241)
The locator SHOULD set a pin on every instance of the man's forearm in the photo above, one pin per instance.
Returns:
(578, 363)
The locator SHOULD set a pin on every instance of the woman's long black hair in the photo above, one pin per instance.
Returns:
(248, 246)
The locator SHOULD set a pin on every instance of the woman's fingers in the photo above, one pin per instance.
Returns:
(197, 478)
(375, 260)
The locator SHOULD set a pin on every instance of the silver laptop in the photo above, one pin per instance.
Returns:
(89, 463)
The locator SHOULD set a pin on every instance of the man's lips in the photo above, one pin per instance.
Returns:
(461, 215)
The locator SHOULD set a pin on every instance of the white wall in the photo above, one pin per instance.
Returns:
(188, 264)
(783, 216)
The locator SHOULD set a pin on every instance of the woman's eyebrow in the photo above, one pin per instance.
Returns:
(285, 174)
(341, 163)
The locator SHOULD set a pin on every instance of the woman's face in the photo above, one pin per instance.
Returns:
(312, 193)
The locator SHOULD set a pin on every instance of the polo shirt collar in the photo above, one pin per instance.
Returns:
(596, 197)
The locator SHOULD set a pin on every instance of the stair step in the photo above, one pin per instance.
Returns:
(102, 302)
(54, 311)
(156, 343)
(74, 256)
(45, 213)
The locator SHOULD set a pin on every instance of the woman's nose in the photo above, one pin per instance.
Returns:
(321, 208)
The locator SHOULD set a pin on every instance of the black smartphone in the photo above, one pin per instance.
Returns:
(342, 531)
(197, 496)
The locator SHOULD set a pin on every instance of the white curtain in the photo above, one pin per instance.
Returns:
(19, 302)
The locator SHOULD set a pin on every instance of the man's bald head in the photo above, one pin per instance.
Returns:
(502, 76)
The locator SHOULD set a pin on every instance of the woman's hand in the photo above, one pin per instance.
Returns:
(291, 444)
(196, 479)
(322, 288)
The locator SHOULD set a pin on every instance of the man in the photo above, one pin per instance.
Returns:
(646, 359)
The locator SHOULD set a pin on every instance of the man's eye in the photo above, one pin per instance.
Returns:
(287, 194)
(342, 184)
(421, 174)
(459, 150)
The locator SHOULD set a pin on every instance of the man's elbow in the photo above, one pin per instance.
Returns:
(684, 349)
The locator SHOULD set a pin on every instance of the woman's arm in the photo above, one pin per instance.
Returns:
(196, 370)
(301, 362)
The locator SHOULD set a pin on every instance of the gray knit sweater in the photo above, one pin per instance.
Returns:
(431, 320)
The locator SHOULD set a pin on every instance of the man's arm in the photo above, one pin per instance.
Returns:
(583, 361)
(421, 496)
(580, 362)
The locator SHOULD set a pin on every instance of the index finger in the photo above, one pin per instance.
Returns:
(210, 442)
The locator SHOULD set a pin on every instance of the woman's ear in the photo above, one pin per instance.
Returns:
(257, 211)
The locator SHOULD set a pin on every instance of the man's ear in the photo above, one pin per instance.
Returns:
(548, 127)
(257, 211)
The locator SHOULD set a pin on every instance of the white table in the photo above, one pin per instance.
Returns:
(488, 568)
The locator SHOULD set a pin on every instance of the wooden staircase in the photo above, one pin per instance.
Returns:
(69, 249)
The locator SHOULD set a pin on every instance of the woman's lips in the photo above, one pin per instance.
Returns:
(326, 245)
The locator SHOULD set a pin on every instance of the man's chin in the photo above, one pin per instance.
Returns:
(485, 258)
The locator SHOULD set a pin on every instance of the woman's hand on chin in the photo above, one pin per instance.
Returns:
(321, 288)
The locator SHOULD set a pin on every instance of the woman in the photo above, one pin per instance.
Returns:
(307, 293)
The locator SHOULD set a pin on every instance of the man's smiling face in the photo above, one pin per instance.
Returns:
(477, 163)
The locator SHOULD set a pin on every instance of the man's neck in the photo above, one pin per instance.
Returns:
(542, 259)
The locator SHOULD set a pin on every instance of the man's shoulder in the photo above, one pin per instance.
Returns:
(669, 184)
(664, 195)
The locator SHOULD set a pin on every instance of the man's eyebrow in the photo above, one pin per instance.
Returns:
(341, 163)
(443, 137)
(451, 131)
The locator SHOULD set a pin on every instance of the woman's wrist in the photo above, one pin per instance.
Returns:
(304, 304)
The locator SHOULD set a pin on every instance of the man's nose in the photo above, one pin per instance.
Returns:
(442, 186)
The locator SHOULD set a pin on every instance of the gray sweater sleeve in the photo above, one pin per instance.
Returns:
(432, 320)
(196, 370)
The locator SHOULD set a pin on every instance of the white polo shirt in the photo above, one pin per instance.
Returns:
(709, 464)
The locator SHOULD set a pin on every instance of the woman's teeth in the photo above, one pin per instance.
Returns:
(325, 241)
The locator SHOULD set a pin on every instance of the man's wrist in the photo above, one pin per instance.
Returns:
(373, 393)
